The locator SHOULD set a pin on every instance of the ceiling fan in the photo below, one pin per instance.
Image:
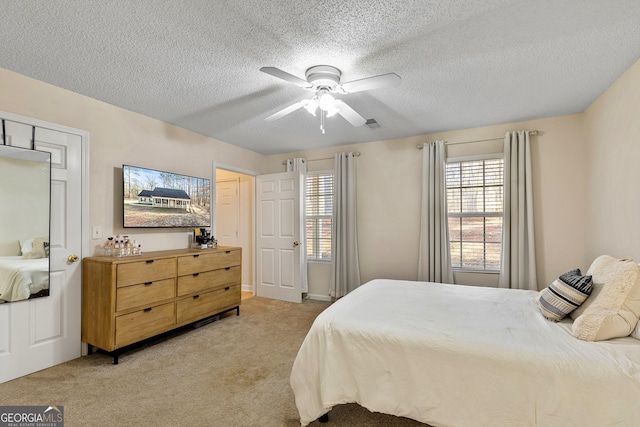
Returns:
(324, 80)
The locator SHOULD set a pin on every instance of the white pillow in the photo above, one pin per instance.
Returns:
(613, 308)
(636, 331)
(39, 249)
(27, 246)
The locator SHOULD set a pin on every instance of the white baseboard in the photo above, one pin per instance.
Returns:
(249, 288)
(319, 297)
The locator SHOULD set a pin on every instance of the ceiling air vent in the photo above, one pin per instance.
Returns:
(372, 123)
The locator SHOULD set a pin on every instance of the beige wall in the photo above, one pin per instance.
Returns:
(120, 136)
(389, 174)
(613, 161)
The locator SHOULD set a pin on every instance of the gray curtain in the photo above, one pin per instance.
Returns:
(518, 269)
(300, 164)
(345, 274)
(434, 260)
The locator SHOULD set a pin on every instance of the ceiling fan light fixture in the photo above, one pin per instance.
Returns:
(312, 106)
(326, 102)
(334, 109)
(325, 83)
(323, 77)
(324, 80)
(332, 112)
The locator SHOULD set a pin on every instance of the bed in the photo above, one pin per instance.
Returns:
(453, 355)
(20, 278)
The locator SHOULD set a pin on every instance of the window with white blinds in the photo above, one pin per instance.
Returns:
(318, 215)
(475, 211)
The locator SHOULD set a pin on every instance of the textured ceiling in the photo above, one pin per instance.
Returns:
(195, 63)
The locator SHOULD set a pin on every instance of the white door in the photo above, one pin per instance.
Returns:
(227, 212)
(43, 332)
(279, 206)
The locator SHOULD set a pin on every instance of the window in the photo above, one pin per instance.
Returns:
(475, 205)
(318, 211)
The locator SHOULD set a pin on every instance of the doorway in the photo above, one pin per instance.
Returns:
(233, 216)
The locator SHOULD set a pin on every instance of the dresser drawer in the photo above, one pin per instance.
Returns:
(198, 263)
(207, 304)
(145, 323)
(209, 280)
(145, 293)
(145, 271)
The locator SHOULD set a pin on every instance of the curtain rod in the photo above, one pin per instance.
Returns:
(420, 146)
(355, 154)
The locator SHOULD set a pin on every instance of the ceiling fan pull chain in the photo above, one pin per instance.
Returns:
(322, 121)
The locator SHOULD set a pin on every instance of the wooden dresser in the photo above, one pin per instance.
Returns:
(129, 299)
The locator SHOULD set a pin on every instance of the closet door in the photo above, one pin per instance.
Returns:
(38, 333)
(227, 212)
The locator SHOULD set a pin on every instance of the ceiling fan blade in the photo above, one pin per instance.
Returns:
(288, 110)
(375, 82)
(351, 115)
(277, 72)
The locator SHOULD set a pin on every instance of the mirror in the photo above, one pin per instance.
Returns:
(25, 194)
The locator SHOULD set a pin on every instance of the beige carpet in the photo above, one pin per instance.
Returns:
(232, 372)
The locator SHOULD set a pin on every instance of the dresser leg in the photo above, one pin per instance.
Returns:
(89, 349)
(115, 358)
(238, 311)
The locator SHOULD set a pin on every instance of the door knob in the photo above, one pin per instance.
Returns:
(73, 258)
(296, 243)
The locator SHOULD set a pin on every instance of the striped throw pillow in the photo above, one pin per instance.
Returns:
(564, 295)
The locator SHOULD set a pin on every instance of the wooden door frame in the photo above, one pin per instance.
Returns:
(253, 174)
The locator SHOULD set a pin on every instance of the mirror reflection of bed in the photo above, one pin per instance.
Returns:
(24, 223)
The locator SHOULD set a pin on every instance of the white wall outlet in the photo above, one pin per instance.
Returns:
(97, 232)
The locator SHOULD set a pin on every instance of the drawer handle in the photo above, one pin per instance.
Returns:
(227, 252)
(227, 268)
(147, 283)
(146, 310)
(227, 288)
(196, 296)
(196, 274)
(149, 261)
(196, 255)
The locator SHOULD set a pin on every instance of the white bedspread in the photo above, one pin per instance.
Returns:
(451, 355)
(20, 278)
